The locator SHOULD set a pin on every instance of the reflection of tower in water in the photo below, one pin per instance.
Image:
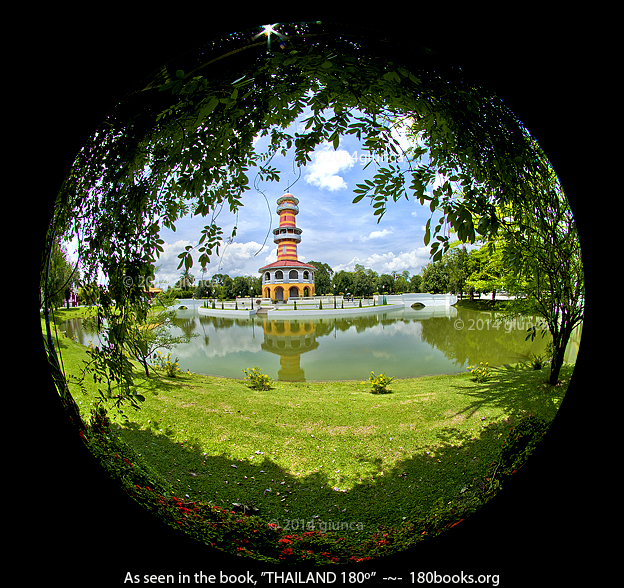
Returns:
(289, 339)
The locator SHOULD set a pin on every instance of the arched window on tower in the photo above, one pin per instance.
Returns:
(293, 275)
(279, 275)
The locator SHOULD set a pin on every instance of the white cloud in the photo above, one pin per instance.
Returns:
(235, 259)
(389, 262)
(377, 234)
(348, 267)
(168, 262)
(326, 165)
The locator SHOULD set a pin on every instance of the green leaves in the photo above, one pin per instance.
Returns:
(427, 232)
(391, 76)
(193, 142)
(362, 190)
(209, 105)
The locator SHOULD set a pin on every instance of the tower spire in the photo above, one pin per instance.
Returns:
(287, 235)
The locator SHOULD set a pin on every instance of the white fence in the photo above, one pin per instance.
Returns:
(426, 299)
(340, 301)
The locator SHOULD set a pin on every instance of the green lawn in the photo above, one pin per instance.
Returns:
(327, 452)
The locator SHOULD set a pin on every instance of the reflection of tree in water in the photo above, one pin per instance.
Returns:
(479, 339)
(186, 324)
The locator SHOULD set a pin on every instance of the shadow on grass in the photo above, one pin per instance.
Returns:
(387, 498)
(517, 390)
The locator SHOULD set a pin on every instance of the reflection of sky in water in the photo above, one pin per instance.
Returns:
(404, 343)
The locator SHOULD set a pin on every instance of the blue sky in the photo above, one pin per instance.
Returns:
(335, 231)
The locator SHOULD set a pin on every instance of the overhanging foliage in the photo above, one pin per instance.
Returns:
(182, 143)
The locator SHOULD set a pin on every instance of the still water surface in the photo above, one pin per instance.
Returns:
(402, 343)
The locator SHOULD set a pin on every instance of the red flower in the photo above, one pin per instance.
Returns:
(284, 540)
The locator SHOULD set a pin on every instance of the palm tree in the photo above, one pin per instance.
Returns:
(186, 279)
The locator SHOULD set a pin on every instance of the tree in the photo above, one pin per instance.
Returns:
(227, 288)
(456, 261)
(435, 278)
(62, 275)
(362, 282)
(204, 289)
(487, 270)
(153, 333)
(240, 286)
(342, 282)
(415, 283)
(186, 280)
(541, 249)
(322, 277)
(385, 284)
(401, 285)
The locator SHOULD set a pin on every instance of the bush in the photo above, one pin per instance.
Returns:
(481, 373)
(165, 363)
(258, 380)
(380, 383)
(537, 361)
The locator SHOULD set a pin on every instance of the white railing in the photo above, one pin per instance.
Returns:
(423, 298)
(242, 303)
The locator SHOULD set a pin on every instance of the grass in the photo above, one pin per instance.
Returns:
(327, 453)
(482, 304)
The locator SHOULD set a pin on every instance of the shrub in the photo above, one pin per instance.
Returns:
(380, 383)
(165, 363)
(481, 373)
(537, 361)
(258, 380)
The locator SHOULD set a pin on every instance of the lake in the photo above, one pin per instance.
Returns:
(402, 343)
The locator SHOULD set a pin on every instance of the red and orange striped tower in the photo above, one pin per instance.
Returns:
(287, 235)
(287, 277)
